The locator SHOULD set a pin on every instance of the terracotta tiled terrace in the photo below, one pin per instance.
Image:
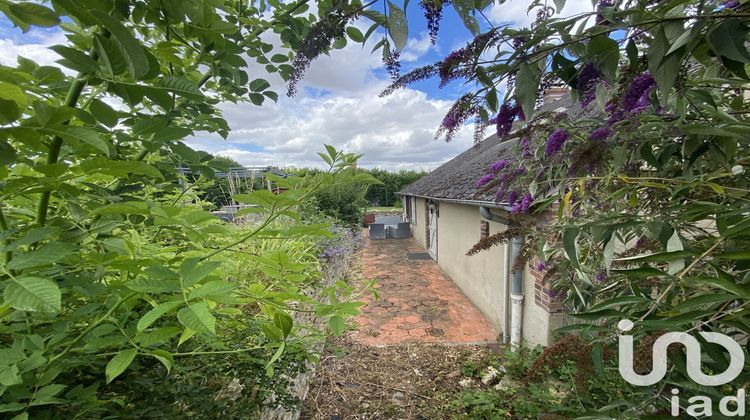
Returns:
(418, 302)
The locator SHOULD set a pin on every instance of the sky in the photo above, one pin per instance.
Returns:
(338, 101)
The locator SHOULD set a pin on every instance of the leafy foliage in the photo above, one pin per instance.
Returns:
(641, 185)
(384, 194)
(108, 269)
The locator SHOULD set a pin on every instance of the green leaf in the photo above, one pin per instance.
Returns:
(192, 272)
(103, 113)
(119, 363)
(702, 301)
(120, 168)
(274, 358)
(180, 86)
(724, 284)
(674, 244)
(34, 294)
(74, 59)
(355, 34)
(213, 289)
(279, 58)
(618, 301)
(83, 134)
(12, 102)
(727, 39)
(44, 255)
(337, 325)
(164, 357)
(283, 322)
(157, 312)
(398, 27)
(527, 86)
(34, 14)
(197, 317)
(259, 85)
(257, 99)
(132, 50)
(570, 243)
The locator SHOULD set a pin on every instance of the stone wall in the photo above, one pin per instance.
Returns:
(334, 269)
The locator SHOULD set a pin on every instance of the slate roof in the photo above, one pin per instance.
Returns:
(456, 179)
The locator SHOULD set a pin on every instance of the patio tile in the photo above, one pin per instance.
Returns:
(418, 302)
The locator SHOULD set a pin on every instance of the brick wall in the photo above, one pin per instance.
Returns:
(544, 296)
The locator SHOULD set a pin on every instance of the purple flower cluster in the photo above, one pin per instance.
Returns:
(588, 78)
(512, 198)
(635, 100)
(499, 165)
(600, 133)
(485, 180)
(416, 75)
(392, 64)
(461, 110)
(505, 117)
(601, 276)
(540, 266)
(523, 205)
(451, 67)
(555, 142)
(556, 294)
(433, 14)
(731, 4)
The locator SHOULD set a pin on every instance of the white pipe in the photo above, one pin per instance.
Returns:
(506, 293)
(516, 319)
(516, 296)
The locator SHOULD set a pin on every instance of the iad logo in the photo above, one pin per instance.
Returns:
(700, 405)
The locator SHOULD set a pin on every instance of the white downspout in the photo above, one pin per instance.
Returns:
(516, 297)
(513, 307)
(506, 292)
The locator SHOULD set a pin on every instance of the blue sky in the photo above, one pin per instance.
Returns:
(338, 103)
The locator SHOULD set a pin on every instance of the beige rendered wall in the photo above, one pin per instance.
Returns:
(479, 276)
(417, 229)
(537, 321)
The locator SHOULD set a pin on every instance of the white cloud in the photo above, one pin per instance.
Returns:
(37, 51)
(395, 132)
(514, 12)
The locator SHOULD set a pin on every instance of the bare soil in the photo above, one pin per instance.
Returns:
(409, 381)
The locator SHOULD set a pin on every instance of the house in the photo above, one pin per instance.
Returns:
(449, 215)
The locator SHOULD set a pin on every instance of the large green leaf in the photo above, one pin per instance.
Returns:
(84, 134)
(44, 255)
(131, 48)
(527, 87)
(12, 102)
(103, 113)
(198, 317)
(34, 14)
(192, 272)
(398, 27)
(34, 294)
(75, 59)
(728, 39)
(119, 363)
(151, 316)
